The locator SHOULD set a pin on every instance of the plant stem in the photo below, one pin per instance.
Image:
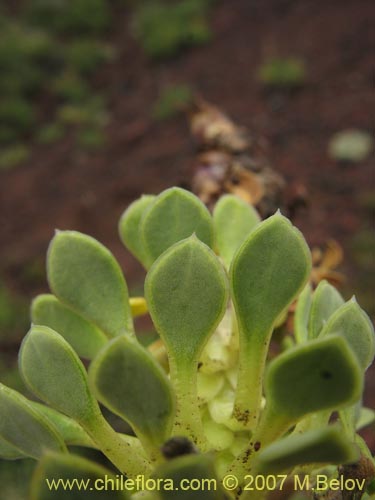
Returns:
(270, 427)
(120, 452)
(188, 420)
(252, 362)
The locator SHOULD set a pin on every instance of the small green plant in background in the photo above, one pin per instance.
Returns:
(217, 287)
(282, 73)
(165, 28)
(172, 100)
(50, 49)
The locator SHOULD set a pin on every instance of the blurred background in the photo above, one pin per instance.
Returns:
(96, 102)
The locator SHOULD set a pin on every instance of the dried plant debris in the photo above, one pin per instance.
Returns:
(231, 160)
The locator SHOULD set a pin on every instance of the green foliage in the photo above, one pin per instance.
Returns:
(35, 60)
(13, 155)
(229, 236)
(120, 374)
(50, 133)
(215, 334)
(70, 16)
(91, 138)
(70, 87)
(163, 29)
(321, 446)
(85, 55)
(54, 465)
(171, 101)
(95, 286)
(16, 118)
(280, 73)
(13, 313)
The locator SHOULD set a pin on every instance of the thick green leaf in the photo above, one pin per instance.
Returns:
(325, 301)
(10, 452)
(268, 271)
(72, 433)
(127, 379)
(302, 314)
(322, 446)
(319, 375)
(53, 371)
(60, 477)
(24, 428)
(129, 227)
(366, 417)
(188, 470)
(174, 215)
(351, 322)
(83, 274)
(233, 220)
(85, 338)
(186, 292)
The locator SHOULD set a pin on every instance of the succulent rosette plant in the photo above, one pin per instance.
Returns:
(210, 402)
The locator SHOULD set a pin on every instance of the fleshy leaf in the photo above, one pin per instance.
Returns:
(325, 301)
(302, 314)
(53, 371)
(322, 446)
(72, 433)
(88, 480)
(355, 326)
(186, 291)
(85, 338)
(233, 220)
(10, 452)
(268, 271)
(174, 215)
(127, 380)
(129, 227)
(24, 428)
(189, 468)
(83, 274)
(366, 417)
(319, 375)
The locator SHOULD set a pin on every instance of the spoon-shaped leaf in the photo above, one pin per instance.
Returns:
(23, 428)
(53, 371)
(268, 271)
(319, 375)
(325, 301)
(302, 314)
(174, 215)
(186, 292)
(10, 452)
(85, 338)
(71, 432)
(185, 470)
(351, 322)
(322, 374)
(321, 446)
(87, 480)
(129, 227)
(83, 274)
(233, 219)
(127, 380)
